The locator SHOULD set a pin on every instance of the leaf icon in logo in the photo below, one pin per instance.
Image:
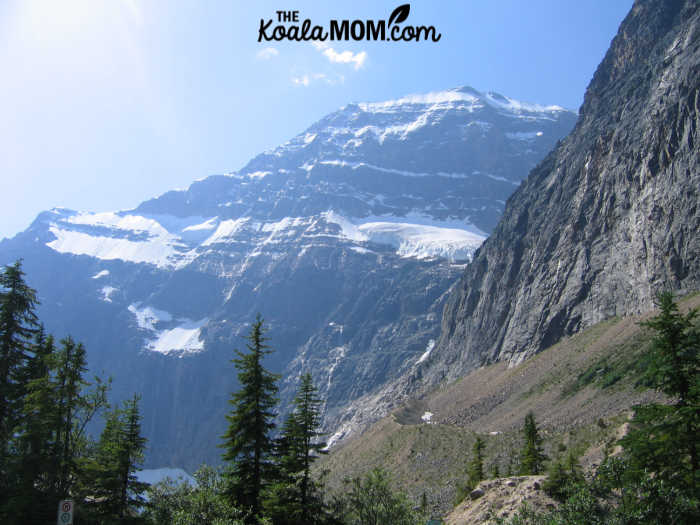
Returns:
(400, 14)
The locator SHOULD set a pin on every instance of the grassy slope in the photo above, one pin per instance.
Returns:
(581, 390)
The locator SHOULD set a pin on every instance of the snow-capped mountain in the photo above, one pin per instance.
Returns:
(346, 238)
(448, 157)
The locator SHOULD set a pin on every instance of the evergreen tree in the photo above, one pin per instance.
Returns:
(32, 502)
(308, 445)
(663, 437)
(75, 403)
(101, 468)
(532, 456)
(563, 477)
(475, 469)
(424, 504)
(131, 457)
(295, 498)
(510, 469)
(248, 442)
(71, 367)
(18, 325)
(119, 452)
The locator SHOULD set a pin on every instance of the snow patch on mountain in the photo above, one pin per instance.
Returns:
(348, 229)
(117, 236)
(209, 224)
(517, 107)
(226, 231)
(337, 354)
(400, 130)
(258, 174)
(159, 250)
(107, 292)
(436, 98)
(410, 239)
(345, 429)
(464, 98)
(428, 349)
(141, 239)
(148, 317)
(360, 250)
(523, 135)
(121, 222)
(168, 335)
(423, 242)
(286, 224)
(502, 179)
(358, 165)
(182, 339)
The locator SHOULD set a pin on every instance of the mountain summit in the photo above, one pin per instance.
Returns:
(449, 156)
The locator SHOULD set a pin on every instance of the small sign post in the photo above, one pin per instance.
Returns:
(65, 512)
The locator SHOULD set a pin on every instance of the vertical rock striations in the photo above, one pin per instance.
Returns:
(609, 218)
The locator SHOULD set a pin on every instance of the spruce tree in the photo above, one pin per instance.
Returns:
(72, 365)
(74, 405)
(510, 469)
(32, 503)
(119, 453)
(563, 477)
(307, 406)
(476, 464)
(296, 499)
(18, 325)
(130, 458)
(532, 456)
(663, 437)
(248, 443)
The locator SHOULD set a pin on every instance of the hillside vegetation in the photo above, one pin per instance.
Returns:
(581, 390)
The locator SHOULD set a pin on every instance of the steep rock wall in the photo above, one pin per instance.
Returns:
(609, 218)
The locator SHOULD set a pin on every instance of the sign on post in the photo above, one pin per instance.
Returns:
(65, 512)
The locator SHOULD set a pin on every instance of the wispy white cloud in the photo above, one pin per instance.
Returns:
(343, 57)
(303, 80)
(306, 80)
(357, 60)
(267, 53)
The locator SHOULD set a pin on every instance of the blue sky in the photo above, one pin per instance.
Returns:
(105, 103)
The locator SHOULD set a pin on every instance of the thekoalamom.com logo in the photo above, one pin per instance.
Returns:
(391, 30)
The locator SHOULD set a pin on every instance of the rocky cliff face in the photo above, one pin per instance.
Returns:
(608, 219)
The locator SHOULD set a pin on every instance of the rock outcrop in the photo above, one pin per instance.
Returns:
(500, 498)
